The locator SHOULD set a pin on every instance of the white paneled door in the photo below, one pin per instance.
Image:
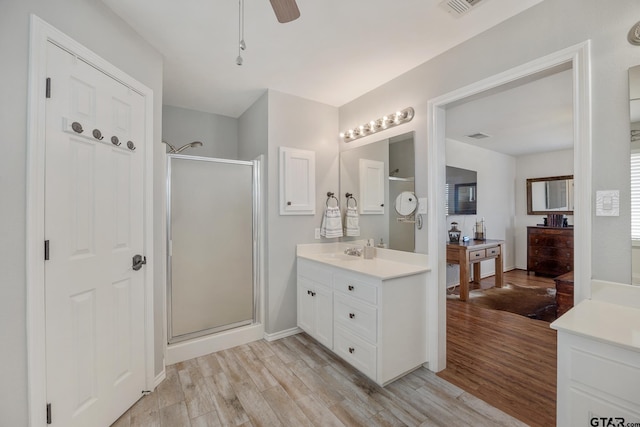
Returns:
(95, 309)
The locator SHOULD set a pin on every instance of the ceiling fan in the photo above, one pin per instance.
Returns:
(285, 10)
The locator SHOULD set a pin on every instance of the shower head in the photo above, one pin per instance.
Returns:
(174, 150)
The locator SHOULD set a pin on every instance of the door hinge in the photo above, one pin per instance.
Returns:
(48, 89)
(48, 413)
(46, 250)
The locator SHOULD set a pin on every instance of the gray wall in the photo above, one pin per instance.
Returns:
(218, 134)
(545, 28)
(95, 26)
(298, 123)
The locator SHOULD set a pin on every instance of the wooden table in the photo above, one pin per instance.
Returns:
(473, 252)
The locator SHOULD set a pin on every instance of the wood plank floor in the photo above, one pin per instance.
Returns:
(502, 358)
(296, 382)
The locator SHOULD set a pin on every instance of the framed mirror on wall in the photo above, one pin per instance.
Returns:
(552, 194)
(361, 169)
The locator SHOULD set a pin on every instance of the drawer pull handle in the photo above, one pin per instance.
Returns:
(351, 350)
(352, 315)
(350, 287)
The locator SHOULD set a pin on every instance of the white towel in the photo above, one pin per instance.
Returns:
(331, 223)
(352, 222)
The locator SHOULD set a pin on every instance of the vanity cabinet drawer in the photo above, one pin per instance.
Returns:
(357, 352)
(357, 317)
(356, 288)
(479, 254)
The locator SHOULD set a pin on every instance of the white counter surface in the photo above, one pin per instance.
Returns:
(387, 264)
(603, 321)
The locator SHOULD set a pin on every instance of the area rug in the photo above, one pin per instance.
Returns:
(533, 302)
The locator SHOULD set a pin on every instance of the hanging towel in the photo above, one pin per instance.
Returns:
(331, 223)
(352, 222)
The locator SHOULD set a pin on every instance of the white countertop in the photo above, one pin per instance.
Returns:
(603, 321)
(387, 264)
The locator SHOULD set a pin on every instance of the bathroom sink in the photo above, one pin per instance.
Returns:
(340, 256)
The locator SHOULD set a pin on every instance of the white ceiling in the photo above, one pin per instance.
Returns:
(535, 116)
(336, 51)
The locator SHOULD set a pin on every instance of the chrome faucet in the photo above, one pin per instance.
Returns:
(353, 251)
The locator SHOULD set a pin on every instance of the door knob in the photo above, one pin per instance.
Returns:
(138, 262)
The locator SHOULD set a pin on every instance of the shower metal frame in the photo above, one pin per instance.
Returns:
(256, 245)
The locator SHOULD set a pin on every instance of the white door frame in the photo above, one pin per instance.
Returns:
(42, 33)
(579, 58)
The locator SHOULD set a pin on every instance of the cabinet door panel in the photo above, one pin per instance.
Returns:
(323, 301)
(297, 182)
(372, 188)
(305, 306)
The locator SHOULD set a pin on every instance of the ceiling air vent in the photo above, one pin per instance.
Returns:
(478, 135)
(458, 7)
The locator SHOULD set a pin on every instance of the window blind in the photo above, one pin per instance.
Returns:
(635, 195)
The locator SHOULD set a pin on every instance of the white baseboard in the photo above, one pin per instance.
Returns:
(210, 344)
(159, 378)
(282, 334)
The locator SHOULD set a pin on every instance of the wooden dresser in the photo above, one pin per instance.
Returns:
(550, 250)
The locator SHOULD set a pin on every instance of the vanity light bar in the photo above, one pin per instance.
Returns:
(386, 122)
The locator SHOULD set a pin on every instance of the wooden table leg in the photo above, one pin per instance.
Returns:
(499, 270)
(476, 273)
(464, 280)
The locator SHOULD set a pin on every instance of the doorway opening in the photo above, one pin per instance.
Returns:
(575, 58)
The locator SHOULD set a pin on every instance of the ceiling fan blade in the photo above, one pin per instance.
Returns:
(286, 10)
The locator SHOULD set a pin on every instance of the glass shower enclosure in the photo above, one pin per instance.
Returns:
(212, 245)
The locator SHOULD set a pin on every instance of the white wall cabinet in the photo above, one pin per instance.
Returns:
(297, 181)
(372, 186)
(378, 326)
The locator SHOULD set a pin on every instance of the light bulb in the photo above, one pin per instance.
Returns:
(341, 134)
(239, 60)
(243, 45)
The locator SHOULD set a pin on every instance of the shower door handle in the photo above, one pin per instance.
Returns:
(138, 262)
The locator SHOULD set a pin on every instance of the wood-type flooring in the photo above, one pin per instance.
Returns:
(502, 358)
(294, 381)
(497, 357)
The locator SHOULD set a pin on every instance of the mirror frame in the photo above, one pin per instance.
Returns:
(530, 181)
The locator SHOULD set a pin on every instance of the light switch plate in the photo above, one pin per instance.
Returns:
(608, 203)
(422, 205)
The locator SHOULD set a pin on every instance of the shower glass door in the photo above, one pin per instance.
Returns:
(212, 234)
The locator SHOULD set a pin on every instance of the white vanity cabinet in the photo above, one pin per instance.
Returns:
(379, 324)
(598, 365)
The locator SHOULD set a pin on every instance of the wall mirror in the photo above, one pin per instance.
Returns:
(552, 194)
(461, 191)
(361, 167)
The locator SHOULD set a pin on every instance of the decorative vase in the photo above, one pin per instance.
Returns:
(454, 233)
